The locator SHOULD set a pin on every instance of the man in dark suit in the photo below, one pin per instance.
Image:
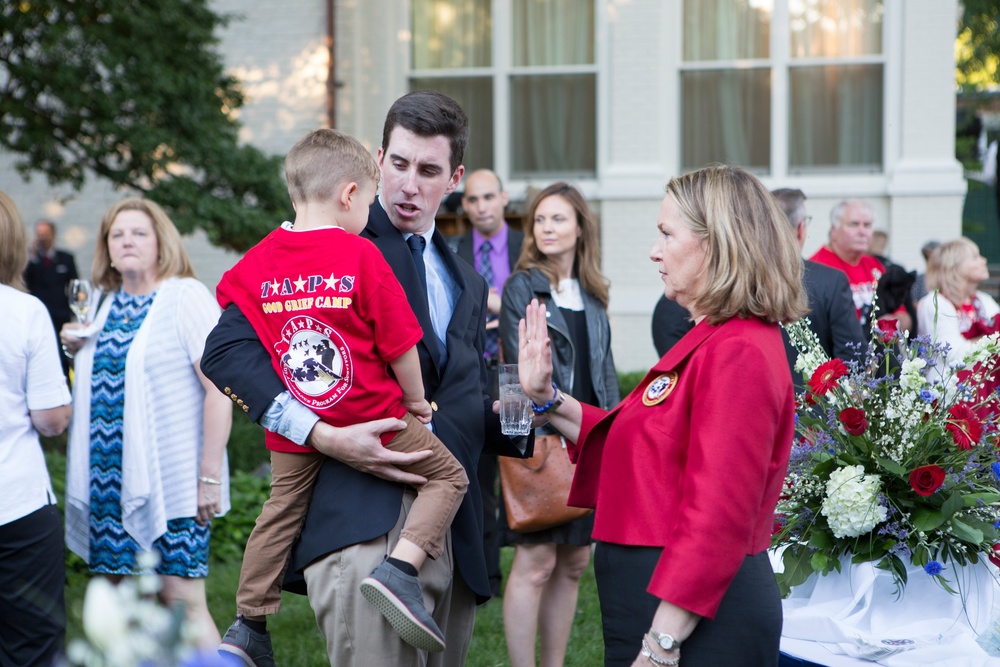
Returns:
(359, 500)
(832, 314)
(492, 248)
(48, 272)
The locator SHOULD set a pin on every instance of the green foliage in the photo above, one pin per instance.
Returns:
(230, 533)
(246, 448)
(977, 45)
(135, 93)
(629, 381)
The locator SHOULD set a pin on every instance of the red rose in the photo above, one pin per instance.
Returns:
(925, 480)
(887, 329)
(995, 556)
(964, 426)
(825, 377)
(854, 420)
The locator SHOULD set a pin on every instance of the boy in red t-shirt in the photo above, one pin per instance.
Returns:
(335, 319)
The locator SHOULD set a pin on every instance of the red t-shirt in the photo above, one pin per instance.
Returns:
(863, 277)
(332, 314)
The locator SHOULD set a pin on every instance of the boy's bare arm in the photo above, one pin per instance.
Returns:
(406, 368)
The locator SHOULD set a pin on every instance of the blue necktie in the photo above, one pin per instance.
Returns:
(417, 243)
(492, 351)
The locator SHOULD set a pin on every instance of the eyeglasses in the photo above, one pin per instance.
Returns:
(806, 220)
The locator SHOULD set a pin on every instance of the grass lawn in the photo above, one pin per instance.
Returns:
(298, 643)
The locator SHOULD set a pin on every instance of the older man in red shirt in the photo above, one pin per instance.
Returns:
(851, 227)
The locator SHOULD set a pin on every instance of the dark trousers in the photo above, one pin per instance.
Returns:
(32, 583)
(492, 534)
(746, 630)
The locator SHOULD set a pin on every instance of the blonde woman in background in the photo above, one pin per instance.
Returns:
(955, 311)
(146, 464)
(560, 267)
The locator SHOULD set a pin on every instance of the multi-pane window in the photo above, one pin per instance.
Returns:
(810, 69)
(524, 71)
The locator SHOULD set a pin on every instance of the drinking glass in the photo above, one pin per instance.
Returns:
(79, 293)
(515, 408)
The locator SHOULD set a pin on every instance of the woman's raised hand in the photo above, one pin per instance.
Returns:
(534, 359)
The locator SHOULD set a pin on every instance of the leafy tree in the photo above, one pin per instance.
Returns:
(978, 45)
(134, 91)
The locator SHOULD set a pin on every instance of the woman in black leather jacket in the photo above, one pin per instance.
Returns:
(559, 266)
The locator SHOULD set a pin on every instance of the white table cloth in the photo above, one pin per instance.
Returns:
(854, 618)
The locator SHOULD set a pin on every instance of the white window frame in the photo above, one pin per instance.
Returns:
(780, 63)
(501, 71)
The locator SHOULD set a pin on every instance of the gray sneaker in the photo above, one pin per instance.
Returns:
(252, 647)
(398, 597)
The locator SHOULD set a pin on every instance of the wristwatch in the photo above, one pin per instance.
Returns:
(666, 642)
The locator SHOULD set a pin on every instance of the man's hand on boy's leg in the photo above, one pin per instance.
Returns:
(359, 446)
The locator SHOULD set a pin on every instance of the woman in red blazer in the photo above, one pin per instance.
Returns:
(686, 471)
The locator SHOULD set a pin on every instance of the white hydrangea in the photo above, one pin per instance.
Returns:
(850, 505)
(911, 377)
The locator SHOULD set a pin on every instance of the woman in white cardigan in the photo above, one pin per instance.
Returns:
(955, 311)
(146, 467)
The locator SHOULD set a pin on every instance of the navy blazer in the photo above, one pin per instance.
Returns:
(351, 506)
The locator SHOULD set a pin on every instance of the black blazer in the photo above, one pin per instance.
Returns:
(48, 283)
(349, 506)
(515, 240)
(832, 317)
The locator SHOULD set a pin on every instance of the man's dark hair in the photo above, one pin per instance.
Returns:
(428, 113)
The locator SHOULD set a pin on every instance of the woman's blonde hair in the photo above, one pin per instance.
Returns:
(13, 244)
(172, 259)
(752, 264)
(944, 268)
(587, 260)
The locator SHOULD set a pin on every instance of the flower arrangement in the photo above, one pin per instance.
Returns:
(125, 626)
(895, 460)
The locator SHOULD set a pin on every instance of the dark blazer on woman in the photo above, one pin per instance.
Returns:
(524, 286)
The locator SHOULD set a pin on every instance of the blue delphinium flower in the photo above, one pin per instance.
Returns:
(926, 395)
(933, 568)
(996, 469)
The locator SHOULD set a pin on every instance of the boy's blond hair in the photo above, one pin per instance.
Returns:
(323, 160)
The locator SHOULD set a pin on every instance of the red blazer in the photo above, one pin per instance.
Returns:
(699, 472)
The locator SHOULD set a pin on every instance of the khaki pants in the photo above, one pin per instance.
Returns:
(357, 635)
(292, 478)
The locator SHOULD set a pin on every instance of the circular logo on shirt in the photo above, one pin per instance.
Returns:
(658, 390)
(315, 362)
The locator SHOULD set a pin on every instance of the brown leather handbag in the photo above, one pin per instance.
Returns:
(535, 489)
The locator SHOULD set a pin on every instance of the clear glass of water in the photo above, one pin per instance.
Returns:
(515, 407)
(79, 293)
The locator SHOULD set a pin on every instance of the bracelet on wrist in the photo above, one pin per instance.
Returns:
(209, 480)
(657, 660)
(557, 399)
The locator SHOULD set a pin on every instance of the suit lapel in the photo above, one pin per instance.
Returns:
(463, 304)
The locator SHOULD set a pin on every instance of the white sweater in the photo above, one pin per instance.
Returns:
(163, 423)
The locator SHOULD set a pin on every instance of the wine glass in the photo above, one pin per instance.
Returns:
(79, 293)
